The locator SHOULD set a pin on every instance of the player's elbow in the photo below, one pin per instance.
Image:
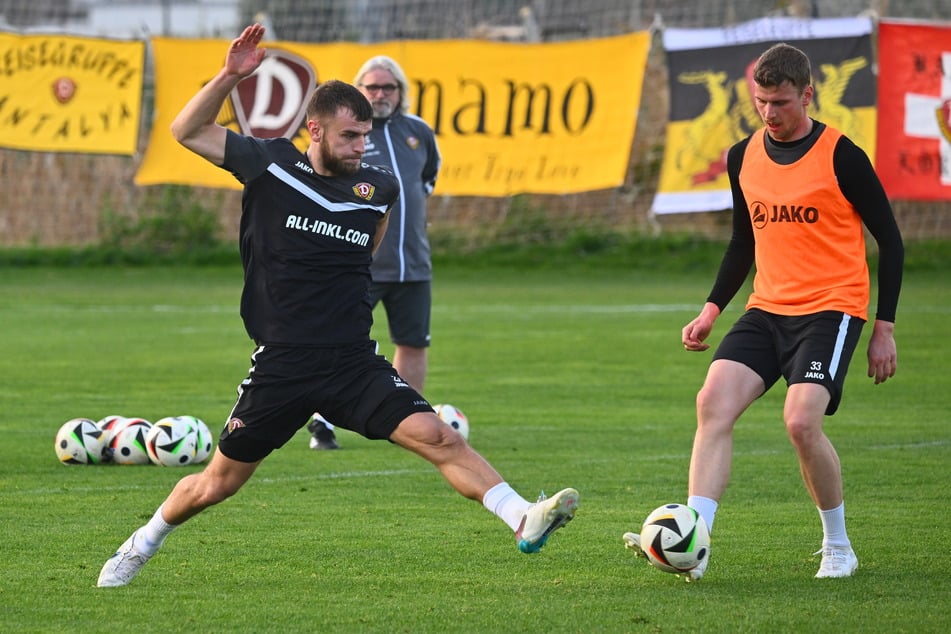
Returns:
(207, 141)
(180, 132)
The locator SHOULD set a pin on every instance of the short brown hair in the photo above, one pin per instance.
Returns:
(334, 94)
(781, 63)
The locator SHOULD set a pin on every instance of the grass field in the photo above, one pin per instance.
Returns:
(569, 377)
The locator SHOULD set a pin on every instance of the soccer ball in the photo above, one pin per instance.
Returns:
(453, 417)
(204, 442)
(108, 426)
(79, 441)
(675, 538)
(171, 442)
(128, 441)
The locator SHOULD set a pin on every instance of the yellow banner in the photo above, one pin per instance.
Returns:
(510, 118)
(62, 93)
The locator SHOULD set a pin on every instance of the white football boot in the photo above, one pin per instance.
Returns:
(632, 541)
(123, 566)
(545, 517)
(837, 561)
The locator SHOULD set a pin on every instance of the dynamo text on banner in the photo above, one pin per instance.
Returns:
(70, 94)
(711, 98)
(509, 118)
(914, 106)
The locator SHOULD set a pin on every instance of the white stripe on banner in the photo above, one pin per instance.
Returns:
(766, 30)
(684, 202)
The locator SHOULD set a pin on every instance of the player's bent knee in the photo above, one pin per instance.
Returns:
(427, 435)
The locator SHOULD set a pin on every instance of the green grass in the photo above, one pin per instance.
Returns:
(570, 376)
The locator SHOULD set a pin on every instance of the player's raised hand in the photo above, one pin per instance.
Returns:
(244, 56)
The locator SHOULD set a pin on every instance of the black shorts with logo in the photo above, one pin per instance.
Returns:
(815, 348)
(351, 386)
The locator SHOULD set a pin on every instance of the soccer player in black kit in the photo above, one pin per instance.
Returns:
(309, 225)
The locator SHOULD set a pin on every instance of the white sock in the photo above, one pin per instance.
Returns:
(154, 533)
(833, 527)
(508, 505)
(707, 508)
(326, 422)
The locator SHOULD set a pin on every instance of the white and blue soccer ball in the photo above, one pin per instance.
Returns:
(79, 441)
(675, 538)
(172, 441)
(128, 444)
(453, 416)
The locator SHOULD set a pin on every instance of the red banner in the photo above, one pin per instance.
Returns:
(914, 110)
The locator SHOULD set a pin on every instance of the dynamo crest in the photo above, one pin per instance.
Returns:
(272, 102)
(364, 190)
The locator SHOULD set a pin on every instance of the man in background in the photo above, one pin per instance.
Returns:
(402, 267)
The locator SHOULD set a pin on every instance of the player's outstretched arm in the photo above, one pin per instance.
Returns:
(882, 351)
(195, 126)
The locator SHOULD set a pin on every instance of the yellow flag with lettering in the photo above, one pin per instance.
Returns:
(63, 93)
(509, 118)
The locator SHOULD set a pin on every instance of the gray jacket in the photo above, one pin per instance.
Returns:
(407, 145)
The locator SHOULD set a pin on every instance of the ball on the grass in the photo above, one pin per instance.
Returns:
(675, 538)
(128, 441)
(79, 441)
(453, 416)
(204, 441)
(171, 442)
(108, 425)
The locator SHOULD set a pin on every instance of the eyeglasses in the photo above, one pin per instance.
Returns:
(386, 89)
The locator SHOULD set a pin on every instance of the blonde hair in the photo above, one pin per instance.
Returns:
(382, 62)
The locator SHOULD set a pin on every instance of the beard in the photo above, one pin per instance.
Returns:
(335, 164)
(382, 109)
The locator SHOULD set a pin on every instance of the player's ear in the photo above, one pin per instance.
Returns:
(315, 130)
(807, 94)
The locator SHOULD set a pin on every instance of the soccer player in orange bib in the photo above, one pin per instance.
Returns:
(802, 192)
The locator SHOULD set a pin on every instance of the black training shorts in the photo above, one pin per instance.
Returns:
(408, 306)
(815, 348)
(351, 386)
